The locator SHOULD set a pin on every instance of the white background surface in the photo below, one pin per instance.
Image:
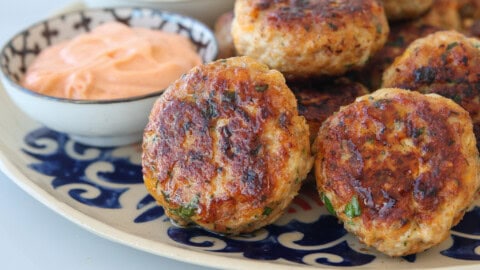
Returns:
(33, 236)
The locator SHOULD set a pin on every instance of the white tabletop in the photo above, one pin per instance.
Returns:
(33, 236)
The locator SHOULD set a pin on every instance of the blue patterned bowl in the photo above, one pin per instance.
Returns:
(99, 123)
(206, 11)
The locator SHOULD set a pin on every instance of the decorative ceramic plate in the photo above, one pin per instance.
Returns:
(101, 189)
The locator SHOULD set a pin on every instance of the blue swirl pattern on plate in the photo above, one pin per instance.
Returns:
(66, 170)
(321, 232)
(322, 241)
(466, 237)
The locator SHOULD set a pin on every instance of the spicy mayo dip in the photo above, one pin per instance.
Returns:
(112, 61)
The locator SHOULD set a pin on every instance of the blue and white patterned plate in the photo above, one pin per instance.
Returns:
(101, 189)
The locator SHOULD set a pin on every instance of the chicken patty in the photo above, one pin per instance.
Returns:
(443, 14)
(223, 34)
(401, 35)
(225, 148)
(309, 38)
(405, 9)
(399, 168)
(317, 100)
(446, 63)
(469, 9)
(470, 16)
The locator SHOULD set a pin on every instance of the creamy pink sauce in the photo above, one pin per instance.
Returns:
(112, 61)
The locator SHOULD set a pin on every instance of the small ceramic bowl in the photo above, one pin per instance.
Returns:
(98, 123)
(206, 11)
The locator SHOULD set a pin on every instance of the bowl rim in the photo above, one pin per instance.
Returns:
(17, 86)
(167, 1)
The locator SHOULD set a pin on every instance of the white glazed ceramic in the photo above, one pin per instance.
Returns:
(93, 123)
(206, 11)
(100, 123)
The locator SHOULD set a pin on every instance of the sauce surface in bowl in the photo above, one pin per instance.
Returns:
(110, 62)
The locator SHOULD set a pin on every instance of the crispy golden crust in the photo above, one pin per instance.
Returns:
(401, 35)
(446, 63)
(309, 38)
(225, 148)
(317, 100)
(405, 9)
(399, 168)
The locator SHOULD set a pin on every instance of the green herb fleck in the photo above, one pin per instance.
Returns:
(353, 208)
(350, 222)
(187, 211)
(452, 45)
(166, 196)
(267, 211)
(229, 96)
(328, 204)
(457, 98)
(418, 132)
(379, 28)
(380, 104)
(211, 110)
(333, 26)
(261, 87)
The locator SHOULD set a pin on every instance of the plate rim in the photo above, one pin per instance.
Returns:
(111, 233)
(162, 249)
(120, 236)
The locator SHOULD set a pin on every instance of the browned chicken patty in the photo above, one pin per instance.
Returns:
(309, 38)
(406, 9)
(472, 28)
(225, 148)
(469, 12)
(401, 35)
(317, 100)
(469, 9)
(446, 63)
(398, 168)
(223, 34)
(443, 14)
